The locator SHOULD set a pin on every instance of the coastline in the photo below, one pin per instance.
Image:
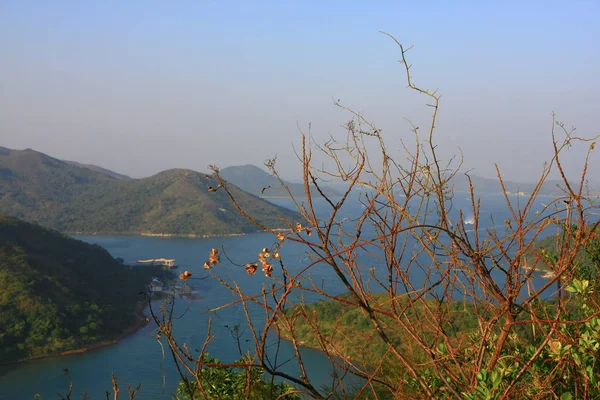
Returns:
(138, 324)
(172, 235)
(300, 343)
(194, 236)
(167, 235)
(303, 345)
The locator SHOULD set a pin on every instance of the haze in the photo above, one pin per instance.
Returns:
(140, 87)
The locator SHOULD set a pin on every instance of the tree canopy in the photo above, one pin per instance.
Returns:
(58, 293)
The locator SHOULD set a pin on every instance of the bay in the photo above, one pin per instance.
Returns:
(138, 359)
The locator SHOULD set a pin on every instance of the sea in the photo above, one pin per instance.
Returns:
(139, 359)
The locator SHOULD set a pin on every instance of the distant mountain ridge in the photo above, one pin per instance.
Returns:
(99, 169)
(487, 185)
(259, 182)
(74, 199)
(255, 180)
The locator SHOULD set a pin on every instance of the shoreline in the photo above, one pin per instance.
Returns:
(166, 235)
(302, 345)
(287, 337)
(139, 323)
(173, 235)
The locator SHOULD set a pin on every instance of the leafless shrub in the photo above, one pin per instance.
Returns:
(430, 276)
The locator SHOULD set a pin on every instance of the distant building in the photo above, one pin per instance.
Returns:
(156, 285)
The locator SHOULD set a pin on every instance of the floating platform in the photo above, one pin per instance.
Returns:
(158, 262)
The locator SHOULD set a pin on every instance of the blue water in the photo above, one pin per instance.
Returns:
(138, 358)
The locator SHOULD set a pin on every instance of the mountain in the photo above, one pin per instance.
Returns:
(69, 198)
(174, 202)
(59, 294)
(253, 180)
(34, 186)
(99, 169)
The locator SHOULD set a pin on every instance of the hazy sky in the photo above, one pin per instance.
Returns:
(139, 87)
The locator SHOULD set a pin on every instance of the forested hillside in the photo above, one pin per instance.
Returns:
(98, 169)
(68, 198)
(58, 293)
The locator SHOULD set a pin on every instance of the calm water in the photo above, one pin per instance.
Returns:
(138, 358)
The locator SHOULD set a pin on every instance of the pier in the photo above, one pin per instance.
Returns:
(159, 262)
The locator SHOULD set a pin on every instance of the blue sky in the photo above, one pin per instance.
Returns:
(140, 87)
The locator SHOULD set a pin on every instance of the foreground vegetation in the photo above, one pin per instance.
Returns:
(59, 294)
(344, 331)
(225, 382)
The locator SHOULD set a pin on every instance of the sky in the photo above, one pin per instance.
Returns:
(141, 86)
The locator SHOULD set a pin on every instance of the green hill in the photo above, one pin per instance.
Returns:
(253, 180)
(59, 294)
(69, 198)
(98, 169)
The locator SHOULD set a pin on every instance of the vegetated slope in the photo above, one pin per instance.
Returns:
(347, 331)
(96, 168)
(176, 202)
(58, 293)
(68, 198)
(253, 179)
(34, 186)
